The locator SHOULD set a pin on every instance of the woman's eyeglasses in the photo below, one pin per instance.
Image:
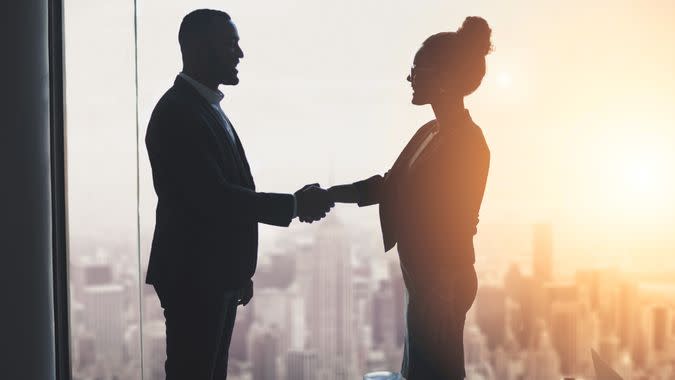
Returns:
(417, 69)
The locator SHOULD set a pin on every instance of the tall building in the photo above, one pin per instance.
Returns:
(330, 302)
(239, 348)
(542, 246)
(564, 333)
(275, 271)
(640, 348)
(97, 274)
(383, 315)
(504, 368)
(84, 350)
(398, 288)
(600, 288)
(274, 307)
(542, 361)
(264, 346)
(298, 322)
(475, 346)
(512, 319)
(521, 291)
(609, 349)
(90, 268)
(364, 304)
(376, 360)
(573, 331)
(103, 305)
(154, 349)
(627, 310)
(301, 365)
(491, 314)
(660, 329)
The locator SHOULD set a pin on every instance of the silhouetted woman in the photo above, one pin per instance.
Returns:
(430, 198)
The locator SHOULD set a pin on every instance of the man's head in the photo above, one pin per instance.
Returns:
(209, 43)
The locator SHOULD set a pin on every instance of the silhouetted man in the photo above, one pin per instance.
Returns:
(204, 248)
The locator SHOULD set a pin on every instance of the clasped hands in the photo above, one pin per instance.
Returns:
(313, 203)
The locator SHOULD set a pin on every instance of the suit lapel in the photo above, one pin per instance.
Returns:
(388, 205)
(217, 131)
(428, 151)
(242, 155)
(410, 149)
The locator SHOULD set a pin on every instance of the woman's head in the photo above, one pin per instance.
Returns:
(451, 64)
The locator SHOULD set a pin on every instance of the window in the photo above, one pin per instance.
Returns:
(323, 98)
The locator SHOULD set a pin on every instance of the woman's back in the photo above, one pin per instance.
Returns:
(439, 200)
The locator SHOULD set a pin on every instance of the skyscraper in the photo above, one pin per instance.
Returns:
(330, 303)
(273, 306)
(101, 302)
(383, 315)
(475, 345)
(572, 333)
(660, 329)
(301, 365)
(521, 291)
(239, 348)
(154, 349)
(627, 314)
(491, 314)
(608, 348)
(264, 343)
(84, 350)
(398, 288)
(542, 361)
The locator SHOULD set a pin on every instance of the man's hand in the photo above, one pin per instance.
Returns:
(313, 203)
(246, 294)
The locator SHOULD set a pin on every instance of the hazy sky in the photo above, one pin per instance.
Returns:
(577, 108)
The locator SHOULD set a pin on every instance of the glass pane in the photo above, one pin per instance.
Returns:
(102, 181)
(323, 98)
(328, 303)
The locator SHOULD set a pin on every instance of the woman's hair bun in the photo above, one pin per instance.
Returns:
(476, 32)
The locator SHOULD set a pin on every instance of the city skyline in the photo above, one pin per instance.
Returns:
(530, 323)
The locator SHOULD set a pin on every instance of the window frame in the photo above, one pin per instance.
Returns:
(59, 209)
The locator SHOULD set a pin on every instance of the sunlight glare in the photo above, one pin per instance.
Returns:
(640, 180)
(639, 177)
(504, 80)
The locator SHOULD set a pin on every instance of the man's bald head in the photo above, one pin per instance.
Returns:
(209, 43)
(198, 27)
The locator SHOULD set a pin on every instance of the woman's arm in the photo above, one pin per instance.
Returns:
(364, 193)
(458, 196)
(344, 193)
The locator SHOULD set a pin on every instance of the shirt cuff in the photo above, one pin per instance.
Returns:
(295, 207)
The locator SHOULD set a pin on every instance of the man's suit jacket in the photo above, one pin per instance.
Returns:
(206, 230)
(431, 208)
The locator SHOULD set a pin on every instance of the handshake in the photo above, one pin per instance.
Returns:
(313, 203)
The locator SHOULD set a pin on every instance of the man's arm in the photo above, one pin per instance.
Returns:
(179, 152)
